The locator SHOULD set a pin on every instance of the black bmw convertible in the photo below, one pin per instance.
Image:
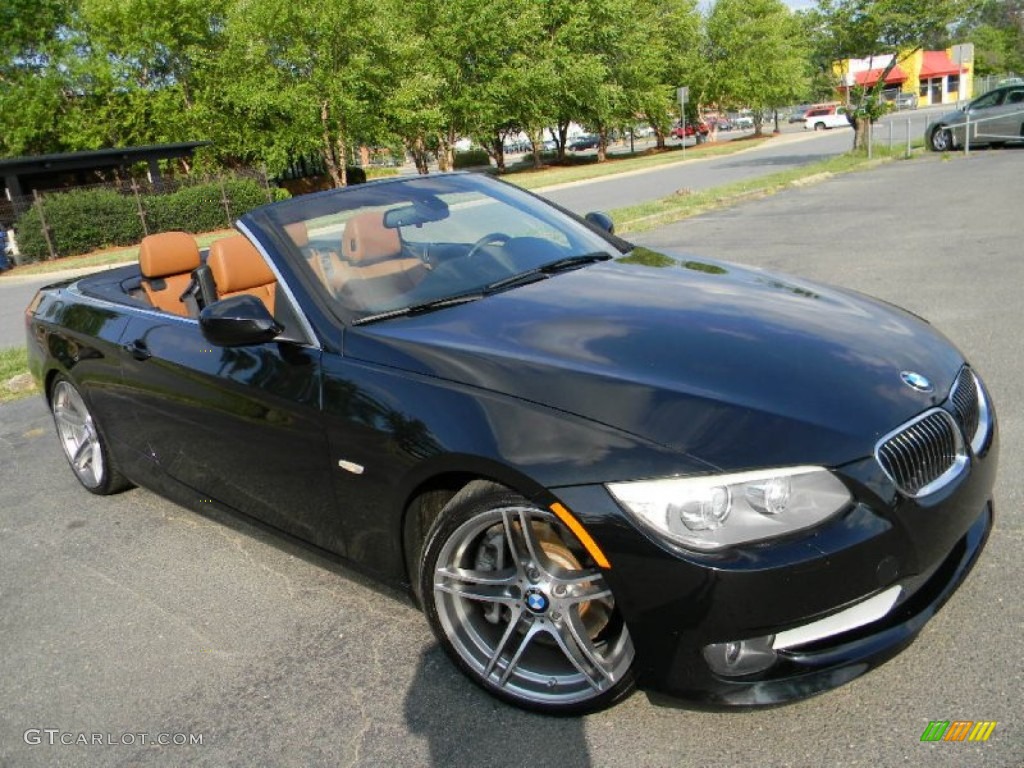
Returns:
(594, 466)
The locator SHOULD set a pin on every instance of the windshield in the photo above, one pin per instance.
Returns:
(396, 246)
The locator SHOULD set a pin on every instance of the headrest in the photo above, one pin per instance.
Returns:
(366, 239)
(237, 265)
(298, 233)
(168, 253)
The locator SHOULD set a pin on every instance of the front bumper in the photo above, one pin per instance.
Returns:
(678, 603)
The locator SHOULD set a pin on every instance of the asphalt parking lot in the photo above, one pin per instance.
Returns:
(129, 616)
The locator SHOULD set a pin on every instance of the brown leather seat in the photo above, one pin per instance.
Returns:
(238, 268)
(372, 269)
(166, 261)
(299, 233)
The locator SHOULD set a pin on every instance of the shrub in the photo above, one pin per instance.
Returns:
(84, 220)
(472, 158)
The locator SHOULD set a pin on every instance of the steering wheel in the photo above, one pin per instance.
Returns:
(494, 238)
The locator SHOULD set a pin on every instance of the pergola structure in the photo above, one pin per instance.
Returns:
(24, 175)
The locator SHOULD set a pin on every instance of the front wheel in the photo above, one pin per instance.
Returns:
(941, 140)
(82, 441)
(519, 606)
(819, 126)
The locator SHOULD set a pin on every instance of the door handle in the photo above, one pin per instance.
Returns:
(138, 350)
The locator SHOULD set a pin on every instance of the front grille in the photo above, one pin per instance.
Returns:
(964, 397)
(923, 454)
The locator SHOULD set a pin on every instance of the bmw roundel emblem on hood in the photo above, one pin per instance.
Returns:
(916, 381)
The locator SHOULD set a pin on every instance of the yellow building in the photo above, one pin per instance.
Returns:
(934, 77)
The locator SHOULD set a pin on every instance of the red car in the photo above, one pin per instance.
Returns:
(692, 129)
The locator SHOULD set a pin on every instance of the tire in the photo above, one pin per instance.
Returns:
(520, 607)
(82, 440)
(941, 140)
(819, 126)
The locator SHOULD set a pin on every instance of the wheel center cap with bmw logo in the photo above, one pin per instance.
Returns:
(536, 601)
(916, 381)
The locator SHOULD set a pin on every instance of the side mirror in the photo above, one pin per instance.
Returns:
(239, 321)
(601, 220)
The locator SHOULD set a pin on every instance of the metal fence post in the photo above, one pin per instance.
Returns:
(967, 135)
(871, 137)
(908, 137)
(266, 182)
(138, 204)
(42, 221)
(890, 137)
(224, 200)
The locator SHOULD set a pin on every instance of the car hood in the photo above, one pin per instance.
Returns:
(729, 365)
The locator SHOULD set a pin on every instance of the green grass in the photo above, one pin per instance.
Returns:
(106, 257)
(13, 361)
(584, 168)
(687, 203)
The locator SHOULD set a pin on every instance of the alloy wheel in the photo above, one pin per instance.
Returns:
(78, 434)
(522, 612)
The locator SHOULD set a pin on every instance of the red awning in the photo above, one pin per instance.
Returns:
(938, 64)
(870, 77)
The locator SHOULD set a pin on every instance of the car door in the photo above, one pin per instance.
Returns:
(984, 116)
(241, 426)
(1009, 122)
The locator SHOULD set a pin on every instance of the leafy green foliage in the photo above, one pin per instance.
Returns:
(757, 51)
(84, 220)
(472, 158)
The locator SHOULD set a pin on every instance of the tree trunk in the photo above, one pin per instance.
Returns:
(341, 151)
(446, 150)
(563, 132)
(327, 150)
(536, 136)
(495, 148)
(861, 132)
(420, 156)
(602, 144)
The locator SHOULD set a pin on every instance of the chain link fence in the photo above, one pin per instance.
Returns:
(84, 218)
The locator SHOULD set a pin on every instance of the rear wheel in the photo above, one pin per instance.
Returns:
(520, 607)
(82, 441)
(941, 140)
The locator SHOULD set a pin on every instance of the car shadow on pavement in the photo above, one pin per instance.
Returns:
(464, 726)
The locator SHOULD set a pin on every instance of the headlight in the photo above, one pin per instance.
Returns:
(715, 511)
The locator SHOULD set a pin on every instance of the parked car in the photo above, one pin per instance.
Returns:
(692, 129)
(904, 100)
(586, 141)
(595, 466)
(798, 115)
(824, 118)
(996, 118)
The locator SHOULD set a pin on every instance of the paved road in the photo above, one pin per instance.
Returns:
(132, 615)
(796, 147)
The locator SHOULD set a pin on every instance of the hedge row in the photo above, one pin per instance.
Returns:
(472, 158)
(83, 220)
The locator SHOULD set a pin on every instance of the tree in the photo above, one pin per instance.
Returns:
(299, 79)
(873, 28)
(996, 27)
(757, 53)
(34, 86)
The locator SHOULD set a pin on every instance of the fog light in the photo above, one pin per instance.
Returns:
(740, 657)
